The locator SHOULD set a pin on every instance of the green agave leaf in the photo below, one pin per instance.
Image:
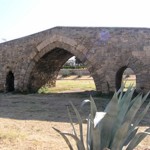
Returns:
(92, 104)
(137, 139)
(80, 144)
(93, 107)
(124, 107)
(133, 110)
(107, 127)
(71, 122)
(95, 132)
(123, 99)
(120, 94)
(130, 136)
(85, 102)
(109, 122)
(141, 115)
(96, 136)
(65, 138)
(134, 99)
(145, 97)
(79, 121)
(119, 138)
(121, 88)
(112, 106)
(93, 142)
(89, 137)
(133, 131)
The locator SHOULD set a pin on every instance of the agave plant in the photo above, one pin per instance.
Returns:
(115, 128)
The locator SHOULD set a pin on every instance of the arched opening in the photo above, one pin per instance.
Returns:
(46, 70)
(129, 78)
(73, 77)
(125, 76)
(10, 82)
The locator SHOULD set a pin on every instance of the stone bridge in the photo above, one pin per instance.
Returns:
(28, 63)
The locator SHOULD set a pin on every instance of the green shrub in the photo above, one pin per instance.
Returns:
(115, 128)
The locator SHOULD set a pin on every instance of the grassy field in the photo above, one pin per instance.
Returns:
(128, 83)
(70, 85)
(75, 84)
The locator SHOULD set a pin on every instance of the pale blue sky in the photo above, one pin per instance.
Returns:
(23, 17)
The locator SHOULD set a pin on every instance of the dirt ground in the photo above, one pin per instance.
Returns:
(26, 121)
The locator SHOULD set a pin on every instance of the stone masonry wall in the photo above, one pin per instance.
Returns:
(103, 50)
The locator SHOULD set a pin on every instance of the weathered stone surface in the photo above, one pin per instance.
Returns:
(37, 58)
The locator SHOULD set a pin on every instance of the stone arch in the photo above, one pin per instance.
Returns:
(139, 69)
(9, 82)
(47, 49)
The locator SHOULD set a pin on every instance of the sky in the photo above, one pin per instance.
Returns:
(19, 18)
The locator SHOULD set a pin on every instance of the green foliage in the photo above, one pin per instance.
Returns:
(115, 128)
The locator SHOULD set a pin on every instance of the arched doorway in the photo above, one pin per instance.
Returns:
(10, 82)
(125, 76)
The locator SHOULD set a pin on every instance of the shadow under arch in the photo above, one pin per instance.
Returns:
(54, 54)
(127, 75)
(9, 82)
(119, 75)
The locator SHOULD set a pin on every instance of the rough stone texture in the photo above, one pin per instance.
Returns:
(107, 52)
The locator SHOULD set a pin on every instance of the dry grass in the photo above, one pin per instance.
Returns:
(26, 121)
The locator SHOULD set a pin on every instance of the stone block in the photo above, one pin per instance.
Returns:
(147, 50)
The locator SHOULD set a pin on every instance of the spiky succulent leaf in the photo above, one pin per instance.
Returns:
(145, 97)
(130, 136)
(109, 121)
(96, 136)
(124, 96)
(80, 144)
(141, 115)
(65, 138)
(137, 139)
(107, 125)
(133, 100)
(71, 122)
(133, 110)
(79, 121)
(93, 107)
(119, 138)
(124, 107)
(85, 102)
(89, 137)
(111, 107)
(96, 132)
